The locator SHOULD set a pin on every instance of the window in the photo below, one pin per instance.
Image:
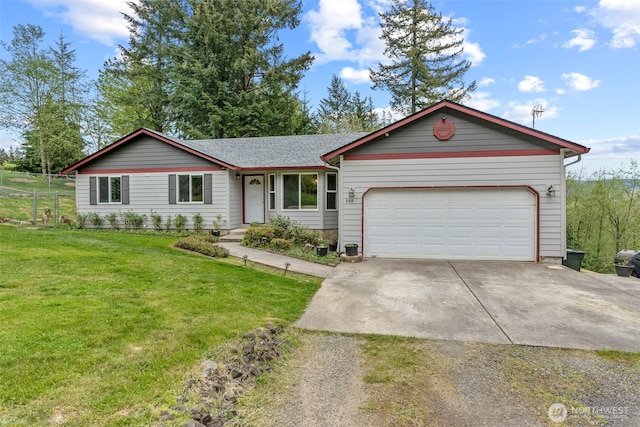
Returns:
(109, 189)
(190, 189)
(332, 191)
(300, 191)
(272, 192)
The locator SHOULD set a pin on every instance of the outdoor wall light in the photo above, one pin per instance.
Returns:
(352, 194)
(551, 192)
(238, 175)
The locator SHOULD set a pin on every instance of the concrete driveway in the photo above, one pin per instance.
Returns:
(495, 302)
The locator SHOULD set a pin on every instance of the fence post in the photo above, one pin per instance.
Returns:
(35, 207)
(57, 208)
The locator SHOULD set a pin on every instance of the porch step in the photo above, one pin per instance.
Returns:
(234, 235)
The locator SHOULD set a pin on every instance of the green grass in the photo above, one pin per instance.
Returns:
(16, 196)
(100, 328)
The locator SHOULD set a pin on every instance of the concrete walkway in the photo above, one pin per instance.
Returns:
(278, 261)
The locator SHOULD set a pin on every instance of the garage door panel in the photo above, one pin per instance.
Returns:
(492, 224)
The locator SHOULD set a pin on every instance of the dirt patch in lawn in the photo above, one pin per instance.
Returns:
(25, 180)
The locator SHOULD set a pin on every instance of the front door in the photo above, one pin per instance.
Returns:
(253, 199)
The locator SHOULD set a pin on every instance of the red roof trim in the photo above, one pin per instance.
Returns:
(465, 110)
(452, 154)
(149, 170)
(133, 136)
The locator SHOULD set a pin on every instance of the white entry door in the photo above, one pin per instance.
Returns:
(478, 224)
(253, 199)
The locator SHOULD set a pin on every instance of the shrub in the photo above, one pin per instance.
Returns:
(156, 220)
(203, 245)
(81, 220)
(281, 221)
(197, 222)
(95, 218)
(179, 222)
(113, 220)
(132, 220)
(260, 235)
(168, 222)
(302, 236)
(280, 244)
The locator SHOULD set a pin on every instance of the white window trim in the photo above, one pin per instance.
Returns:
(109, 178)
(190, 202)
(299, 175)
(271, 190)
(327, 191)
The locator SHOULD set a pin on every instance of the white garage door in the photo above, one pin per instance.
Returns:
(479, 224)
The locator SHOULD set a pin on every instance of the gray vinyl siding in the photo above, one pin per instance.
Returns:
(147, 152)
(537, 172)
(149, 192)
(470, 135)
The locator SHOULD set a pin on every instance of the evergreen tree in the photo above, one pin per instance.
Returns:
(233, 80)
(425, 52)
(342, 112)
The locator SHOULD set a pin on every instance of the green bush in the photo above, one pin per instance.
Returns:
(95, 219)
(302, 236)
(280, 244)
(197, 222)
(81, 220)
(180, 222)
(168, 222)
(132, 220)
(112, 218)
(261, 235)
(156, 220)
(202, 244)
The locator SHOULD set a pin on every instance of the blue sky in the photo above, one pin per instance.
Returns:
(580, 60)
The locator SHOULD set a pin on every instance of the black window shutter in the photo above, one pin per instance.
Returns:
(124, 188)
(93, 191)
(208, 184)
(172, 189)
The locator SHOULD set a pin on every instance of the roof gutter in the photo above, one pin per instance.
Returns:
(575, 161)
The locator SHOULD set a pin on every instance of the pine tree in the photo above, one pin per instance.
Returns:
(424, 50)
(342, 112)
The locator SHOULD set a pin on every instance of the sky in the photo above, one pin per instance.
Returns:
(579, 60)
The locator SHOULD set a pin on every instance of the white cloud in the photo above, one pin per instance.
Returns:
(611, 153)
(486, 81)
(580, 9)
(622, 17)
(96, 19)
(580, 82)
(335, 24)
(521, 113)
(482, 101)
(355, 76)
(583, 40)
(531, 84)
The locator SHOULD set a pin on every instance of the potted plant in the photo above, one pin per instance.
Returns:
(351, 249)
(216, 225)
(321, 250)
(333, 241)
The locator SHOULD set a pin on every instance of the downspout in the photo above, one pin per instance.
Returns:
(339, 196)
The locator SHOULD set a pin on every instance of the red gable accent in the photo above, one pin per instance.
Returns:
(563, 143)
(134, 135)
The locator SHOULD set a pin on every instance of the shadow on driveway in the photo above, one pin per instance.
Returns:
(494, 302)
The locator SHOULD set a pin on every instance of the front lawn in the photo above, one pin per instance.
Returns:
(100, 328)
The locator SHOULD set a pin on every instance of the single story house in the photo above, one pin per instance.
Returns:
(448, 182)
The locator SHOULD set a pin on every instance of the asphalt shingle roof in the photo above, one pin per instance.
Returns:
(271, 151)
